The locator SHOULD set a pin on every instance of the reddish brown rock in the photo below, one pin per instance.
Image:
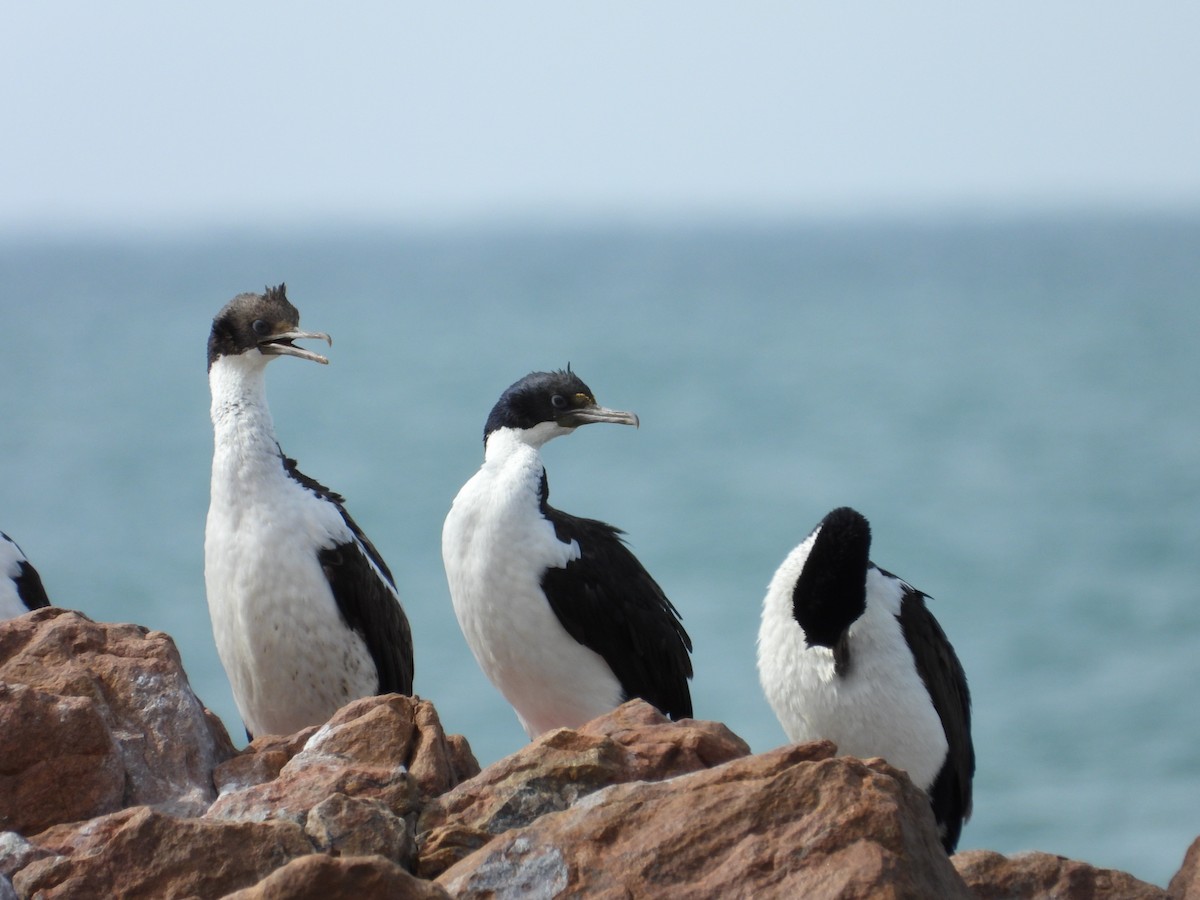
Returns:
(261, 761)
(396, 730)
(1044, 876)
(389, 748)
(97, 717)
(321, 877)
(1186, 883)
(633, 743)
(142, 853)
(58, 760)
(795, 822)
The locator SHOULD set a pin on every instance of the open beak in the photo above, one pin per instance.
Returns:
(586, 415)
(281, 345)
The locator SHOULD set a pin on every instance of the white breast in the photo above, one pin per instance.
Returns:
(879, 708)
(495, 546)
(290, 657)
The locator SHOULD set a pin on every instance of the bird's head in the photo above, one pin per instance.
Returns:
(264, 325)
(830, 592)
(544, 405)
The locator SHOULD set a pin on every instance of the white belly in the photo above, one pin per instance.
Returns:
(879, 708)
(494, 555)
(290, 657)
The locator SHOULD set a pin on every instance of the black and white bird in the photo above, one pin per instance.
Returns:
(560, 615)
(304, 610)
(21, 587)
(850, 653)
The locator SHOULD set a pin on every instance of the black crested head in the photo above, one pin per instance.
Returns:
(267, 322)
(560, 397)
(831, 590)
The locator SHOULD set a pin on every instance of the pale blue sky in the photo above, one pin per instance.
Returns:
(150, 113)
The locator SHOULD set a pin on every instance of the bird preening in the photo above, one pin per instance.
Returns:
(559, 613)
(304, 610)
(850, 653)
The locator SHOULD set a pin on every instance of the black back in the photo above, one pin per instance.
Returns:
(365, 603)
(28, 581)
(29, 587)
(944, 678)
(609, 603)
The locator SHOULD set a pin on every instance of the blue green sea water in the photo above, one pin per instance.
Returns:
(1011, 401)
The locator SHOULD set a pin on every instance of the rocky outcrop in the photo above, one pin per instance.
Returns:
(1186, 883)
(795, 822)
(634, 743)
(115, 781)
(96, 718)
(991, 876)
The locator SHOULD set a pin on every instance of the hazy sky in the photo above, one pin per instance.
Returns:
(222, 112)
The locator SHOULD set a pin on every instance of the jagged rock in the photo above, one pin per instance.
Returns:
(143, 853)
(1044, 876)
(261, 761)
(794, 822)
(389, 748)
(105, 752)
(1186, 883)
(97, 717)
(323, 877)
(635, 742)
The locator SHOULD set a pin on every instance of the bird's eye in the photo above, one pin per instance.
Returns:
(558, 401)
(261, 328)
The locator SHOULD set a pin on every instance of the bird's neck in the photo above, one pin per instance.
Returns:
(245, 446)
(514, 464)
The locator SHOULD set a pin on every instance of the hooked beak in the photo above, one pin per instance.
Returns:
(586, 415)
(281, 345)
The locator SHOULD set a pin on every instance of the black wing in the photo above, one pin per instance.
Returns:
(946, 682)
(339, 501)
(29, 587)
(28, 581)
(609, 603)
(373, 611)
(362, 598)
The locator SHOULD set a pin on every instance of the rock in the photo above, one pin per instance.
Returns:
(142, 852)
(58, 760)
(1044, 876)
(16, 853)
(261, 761)
(633, 743)
(97, 717)
(115, 781)
(794, 822)
(321, 877)
(389, 748)
(350, 826)
(1186, 883)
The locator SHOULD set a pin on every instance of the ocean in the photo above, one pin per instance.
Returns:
(1012, 402)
